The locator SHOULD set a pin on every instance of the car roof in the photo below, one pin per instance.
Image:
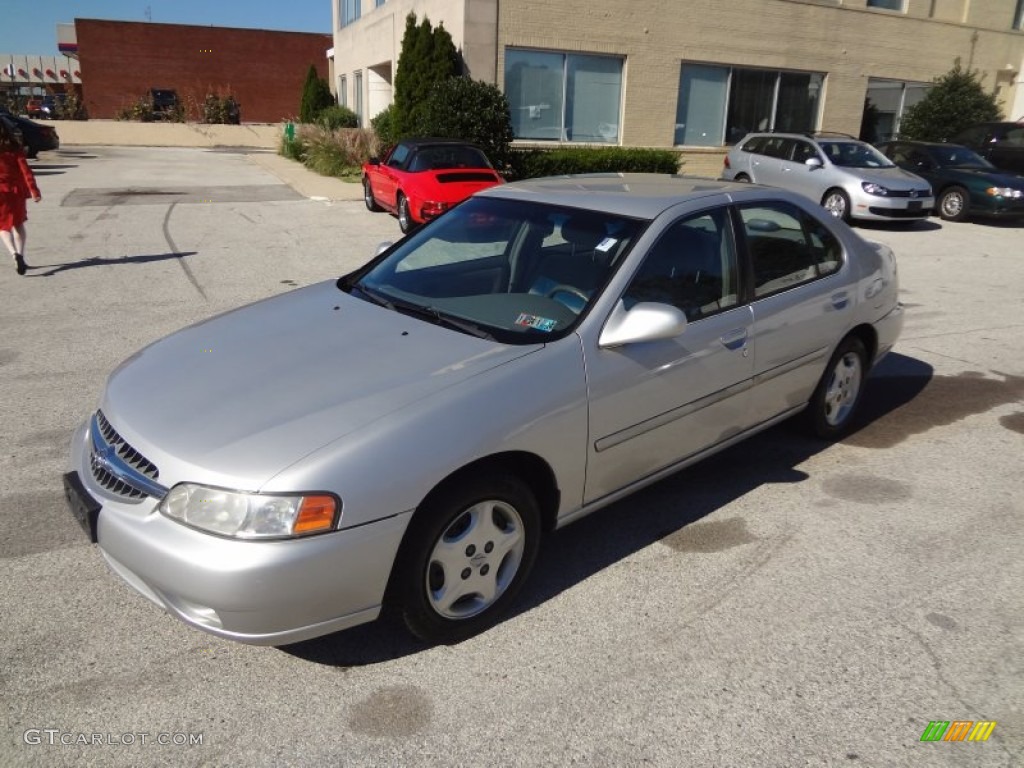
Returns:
(640, 195)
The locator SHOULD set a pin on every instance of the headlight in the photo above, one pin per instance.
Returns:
(249, 515)
(874, 189)
(1004, 192)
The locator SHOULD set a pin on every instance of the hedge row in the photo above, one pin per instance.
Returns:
(532, 163)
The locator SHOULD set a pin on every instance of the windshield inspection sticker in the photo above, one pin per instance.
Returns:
(532, 321)
(606, 245)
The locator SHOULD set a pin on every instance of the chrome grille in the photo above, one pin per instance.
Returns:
(135, 460)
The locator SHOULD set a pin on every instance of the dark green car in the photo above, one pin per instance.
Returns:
(965, 184)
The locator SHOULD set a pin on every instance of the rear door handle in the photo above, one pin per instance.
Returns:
(840, 300)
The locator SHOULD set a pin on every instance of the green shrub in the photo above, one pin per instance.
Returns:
(474, 111)
(428, 56)
(338, 153)
(533, 163)
(956, 101)
(316, 96)
(336, 116)
(140, 110)
(223, 110)
(384, 127)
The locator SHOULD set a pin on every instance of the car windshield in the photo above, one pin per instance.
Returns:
(958, 157)
(515, 271)
(855, 154)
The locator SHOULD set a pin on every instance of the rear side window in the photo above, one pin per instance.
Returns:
(755, 144)
(1014, 138)
(788, 247)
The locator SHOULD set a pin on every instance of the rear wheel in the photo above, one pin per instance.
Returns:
(953, 203)
(465, 556)
(837, 203)
(743, 177)
(405, 222)
(368, 198)
(837, 396)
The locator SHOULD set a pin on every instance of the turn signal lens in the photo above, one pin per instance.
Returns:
(315, 514)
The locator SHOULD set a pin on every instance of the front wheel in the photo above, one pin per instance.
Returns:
(405, 222)
(837, 203)
(837, 396)
(953, 204)
(465, 556)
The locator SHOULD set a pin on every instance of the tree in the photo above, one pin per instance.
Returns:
(461, 108)
(316, 95)
(428, 56)
(956, 101)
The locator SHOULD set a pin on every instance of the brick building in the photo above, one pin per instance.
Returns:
(692, 74)
(121, 61)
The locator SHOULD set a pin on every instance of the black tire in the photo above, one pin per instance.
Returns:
(465, 556)
(837, 397)
(368, 198)
(837, 203)
(953, 204)
(743, 178)
(405, 222)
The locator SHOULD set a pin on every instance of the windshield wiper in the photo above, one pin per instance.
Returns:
(373, 295)
(440, 318)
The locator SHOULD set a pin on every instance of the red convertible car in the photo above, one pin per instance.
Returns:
(420, 179)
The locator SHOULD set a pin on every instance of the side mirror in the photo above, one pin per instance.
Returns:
(382, 246)
(813, 163)
(374, 161)
(645, 321)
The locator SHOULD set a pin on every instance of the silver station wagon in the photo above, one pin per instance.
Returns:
(851, 179)
(404, 436)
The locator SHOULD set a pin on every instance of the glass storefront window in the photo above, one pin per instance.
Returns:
(563, 97)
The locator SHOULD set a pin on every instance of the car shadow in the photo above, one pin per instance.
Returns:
(96, 261)
(78, 154)
(573, 554)
(922, 225)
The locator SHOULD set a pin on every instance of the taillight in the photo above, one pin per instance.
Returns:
(726, 162)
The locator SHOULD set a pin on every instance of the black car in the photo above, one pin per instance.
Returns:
(965, 184)
(1002, 144)
(165, 103)
(35, 137)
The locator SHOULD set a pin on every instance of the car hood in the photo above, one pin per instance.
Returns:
(892, 178)
(237, 398)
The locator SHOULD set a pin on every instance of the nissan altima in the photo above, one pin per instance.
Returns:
(404, 436)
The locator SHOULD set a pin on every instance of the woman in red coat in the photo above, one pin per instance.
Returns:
(16, 185)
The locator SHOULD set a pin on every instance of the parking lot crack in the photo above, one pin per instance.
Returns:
(178, 253)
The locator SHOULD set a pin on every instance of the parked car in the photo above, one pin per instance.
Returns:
(419, 179)
(1002, 144)
(405, 435)
(850, 178)
(164, 101)
(52, 106)
(36, 138)
(965, 184)
(34, 106)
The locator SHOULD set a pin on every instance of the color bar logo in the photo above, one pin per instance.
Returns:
(958, 730)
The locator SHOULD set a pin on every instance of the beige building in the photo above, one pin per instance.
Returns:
(692, 74)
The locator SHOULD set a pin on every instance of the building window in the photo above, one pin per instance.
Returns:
(350, 10)
(563, 96)
(719, 105)
(1018, 16)
(379, 3)
(889, 5)
(357, 96)
(886, 102)
(343, 91)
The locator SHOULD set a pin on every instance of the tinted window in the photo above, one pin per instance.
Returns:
(788, 247)
(1014, 137)
(398, 157)
(803, 151)
(692, 267)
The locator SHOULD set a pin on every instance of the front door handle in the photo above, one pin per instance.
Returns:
(840, 300)
(735, 338)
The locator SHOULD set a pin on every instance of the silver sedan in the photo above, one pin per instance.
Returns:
(404, 436)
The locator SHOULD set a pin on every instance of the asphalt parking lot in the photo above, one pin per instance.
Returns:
(786, 603)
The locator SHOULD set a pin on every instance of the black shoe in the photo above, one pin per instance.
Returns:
(19, 262)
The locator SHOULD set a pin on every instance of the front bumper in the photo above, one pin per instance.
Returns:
(257, 592)
(877, 208)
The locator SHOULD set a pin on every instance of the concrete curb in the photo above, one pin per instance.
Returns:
(305, 181)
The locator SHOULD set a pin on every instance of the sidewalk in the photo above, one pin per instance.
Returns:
(305, 181)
